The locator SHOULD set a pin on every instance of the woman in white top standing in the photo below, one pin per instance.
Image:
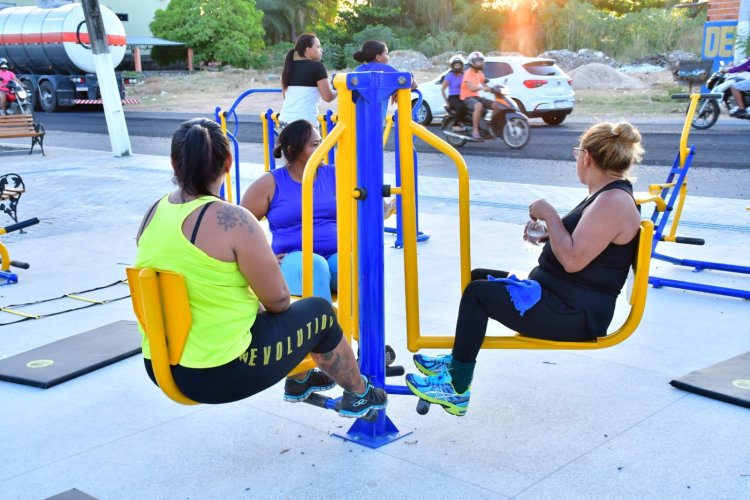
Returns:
(304, 81)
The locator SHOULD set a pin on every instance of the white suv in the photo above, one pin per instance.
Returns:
(540, 88)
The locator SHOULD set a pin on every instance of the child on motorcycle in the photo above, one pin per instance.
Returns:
(474, 81)
(6, 76)
(452, 84)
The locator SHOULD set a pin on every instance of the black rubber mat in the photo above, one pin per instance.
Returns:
(65, 359)
(73, 494)
(728, 381)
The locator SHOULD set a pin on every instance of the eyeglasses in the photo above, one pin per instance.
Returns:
(577, 152)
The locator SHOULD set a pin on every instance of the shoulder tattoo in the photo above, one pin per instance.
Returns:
(230, 216)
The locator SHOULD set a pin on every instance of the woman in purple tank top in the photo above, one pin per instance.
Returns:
(277, 196)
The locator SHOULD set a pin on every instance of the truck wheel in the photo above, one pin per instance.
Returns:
(47, 97)
(29, 86)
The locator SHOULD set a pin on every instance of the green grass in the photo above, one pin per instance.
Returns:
(652, 101)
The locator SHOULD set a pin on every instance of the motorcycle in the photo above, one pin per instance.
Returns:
(19, 101)
(708, 110)
(506, 122)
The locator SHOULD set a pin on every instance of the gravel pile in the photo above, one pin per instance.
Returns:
(601, 76)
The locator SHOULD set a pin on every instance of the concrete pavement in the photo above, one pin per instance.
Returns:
(557, 424)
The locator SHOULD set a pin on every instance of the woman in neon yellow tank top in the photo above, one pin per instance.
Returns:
(245, 335)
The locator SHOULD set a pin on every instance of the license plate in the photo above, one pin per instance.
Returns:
(82, 89)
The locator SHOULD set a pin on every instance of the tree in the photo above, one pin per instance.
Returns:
(226, 31)
(287, 19)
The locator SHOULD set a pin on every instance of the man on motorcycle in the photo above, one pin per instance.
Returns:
(474, 81)
(6, 76)
(738, 88)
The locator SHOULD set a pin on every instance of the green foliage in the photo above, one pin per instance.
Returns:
(625, 6)
(577, 24)
(457, 42)
(376, 32)
(227, 31)
(360, 17)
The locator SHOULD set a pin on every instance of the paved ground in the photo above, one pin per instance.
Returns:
(565, 424)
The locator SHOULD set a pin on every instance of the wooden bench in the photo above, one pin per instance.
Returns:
(11, 189)
(12, 126)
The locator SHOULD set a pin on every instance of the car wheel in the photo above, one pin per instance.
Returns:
(555, 119)
(47, 97)
(423, 115)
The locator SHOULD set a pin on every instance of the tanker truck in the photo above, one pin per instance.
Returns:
(48, 49)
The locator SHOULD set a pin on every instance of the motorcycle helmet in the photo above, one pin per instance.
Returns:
(476, 60)
(457, 64)
(3, 63)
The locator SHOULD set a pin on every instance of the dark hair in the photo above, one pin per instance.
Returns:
(199, 151)
(293, 140)
(304, 42)
(370, 50)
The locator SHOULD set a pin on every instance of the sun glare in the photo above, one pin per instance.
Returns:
(506, 4)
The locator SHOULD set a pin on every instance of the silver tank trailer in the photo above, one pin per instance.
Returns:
(55, 41)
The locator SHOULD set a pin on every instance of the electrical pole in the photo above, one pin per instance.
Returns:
(105, 73)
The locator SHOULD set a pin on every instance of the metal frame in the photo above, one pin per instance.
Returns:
(669, 198)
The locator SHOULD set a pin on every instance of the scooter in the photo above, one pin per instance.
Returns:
(709, 109)
(506, 122)
(19, 101)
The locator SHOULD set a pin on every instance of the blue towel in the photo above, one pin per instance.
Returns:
(523, 293)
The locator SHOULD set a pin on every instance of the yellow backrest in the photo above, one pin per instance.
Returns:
(160, 302)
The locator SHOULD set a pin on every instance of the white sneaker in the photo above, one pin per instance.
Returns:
(2, 112)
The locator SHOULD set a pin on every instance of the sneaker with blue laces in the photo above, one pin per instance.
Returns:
(296, 391)
(356, 405)
(438, 389)
(432, 365)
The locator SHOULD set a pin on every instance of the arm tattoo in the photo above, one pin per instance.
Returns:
(229, 217)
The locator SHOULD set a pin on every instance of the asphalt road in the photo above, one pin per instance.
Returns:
(723, 146)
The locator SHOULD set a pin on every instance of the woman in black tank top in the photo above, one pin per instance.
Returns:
(582, 268)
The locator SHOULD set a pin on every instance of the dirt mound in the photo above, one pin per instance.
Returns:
(408, 60)
(601, 76)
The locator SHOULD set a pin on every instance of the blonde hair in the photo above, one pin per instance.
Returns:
(614, 147)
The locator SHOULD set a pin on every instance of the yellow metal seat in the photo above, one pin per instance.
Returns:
(160, 302)
(637, 302)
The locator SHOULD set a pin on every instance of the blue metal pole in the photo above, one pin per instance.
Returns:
(330, 125)
(271, 139)
(372, 88)
(399, 243)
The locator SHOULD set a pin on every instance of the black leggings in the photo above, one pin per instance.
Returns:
(279, 343)
(549, 319)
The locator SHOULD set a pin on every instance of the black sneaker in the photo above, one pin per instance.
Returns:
(356, 405)
(296, 391)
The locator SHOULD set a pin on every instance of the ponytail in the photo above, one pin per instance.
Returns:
(303, 42)
(199, 151)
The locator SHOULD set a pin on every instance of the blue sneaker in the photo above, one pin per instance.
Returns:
(296, 391)
(432, 365)
(439, 389)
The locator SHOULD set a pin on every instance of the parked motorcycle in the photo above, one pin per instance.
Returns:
(506, 122)
(708, 110)
(19, 101)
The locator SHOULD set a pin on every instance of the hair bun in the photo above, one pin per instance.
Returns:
(277, 151)
(359, 56)
(626, 132)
